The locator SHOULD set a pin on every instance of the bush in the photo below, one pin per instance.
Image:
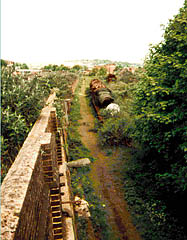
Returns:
(22, 100)
(160, 107)
(21, 103)
(114, 131)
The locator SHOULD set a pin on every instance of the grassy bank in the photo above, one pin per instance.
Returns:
(81, 183)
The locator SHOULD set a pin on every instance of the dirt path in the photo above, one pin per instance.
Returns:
(104, 184)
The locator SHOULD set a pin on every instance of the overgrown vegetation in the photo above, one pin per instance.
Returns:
(160, 106)
(22, 98)
(152, 119)
(153, 115)
(21, 101)
(53, 67)
(81, 184)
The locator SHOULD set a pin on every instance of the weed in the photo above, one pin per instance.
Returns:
(81, 183)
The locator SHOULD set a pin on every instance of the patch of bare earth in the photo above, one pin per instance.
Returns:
(103, 180)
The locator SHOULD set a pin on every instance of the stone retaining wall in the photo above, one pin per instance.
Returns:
(24, 193)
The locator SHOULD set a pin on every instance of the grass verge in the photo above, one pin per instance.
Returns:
(81, 183)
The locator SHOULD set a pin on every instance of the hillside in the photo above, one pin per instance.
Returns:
(96, 62)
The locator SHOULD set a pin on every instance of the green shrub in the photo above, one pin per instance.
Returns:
(160, 108)
(22, 100)
(115, 130)
(21, 103)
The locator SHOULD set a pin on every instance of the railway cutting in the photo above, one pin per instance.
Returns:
(103, 181)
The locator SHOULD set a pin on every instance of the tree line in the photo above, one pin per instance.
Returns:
(154, 117)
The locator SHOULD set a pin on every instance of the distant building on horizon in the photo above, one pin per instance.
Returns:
(109, 67)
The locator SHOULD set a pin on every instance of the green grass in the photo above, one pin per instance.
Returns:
(81, 184)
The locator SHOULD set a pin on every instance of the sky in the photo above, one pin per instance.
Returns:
(52, 31)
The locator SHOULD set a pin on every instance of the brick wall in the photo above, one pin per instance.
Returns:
(33, 217)
(24, 193)
(26, 212)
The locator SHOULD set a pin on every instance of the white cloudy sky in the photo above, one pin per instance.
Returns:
(50, 31)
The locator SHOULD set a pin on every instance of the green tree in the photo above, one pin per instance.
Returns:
(63, 68)
(3, 63)
(118, 68)
(160, 107)
(24, 66)
(93, 72)
(52, 67)
(102, 71)
(85, 68)
(76, 68)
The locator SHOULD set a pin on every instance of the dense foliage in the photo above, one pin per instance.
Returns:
(22, 99)
(21, 65)
(155, 179)
(156, 121)
(160, 110)
(101, 71)
(54, 67)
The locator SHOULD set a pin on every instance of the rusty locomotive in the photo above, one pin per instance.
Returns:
(102, 97)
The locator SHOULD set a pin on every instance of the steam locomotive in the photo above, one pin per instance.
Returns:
(102, 97)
